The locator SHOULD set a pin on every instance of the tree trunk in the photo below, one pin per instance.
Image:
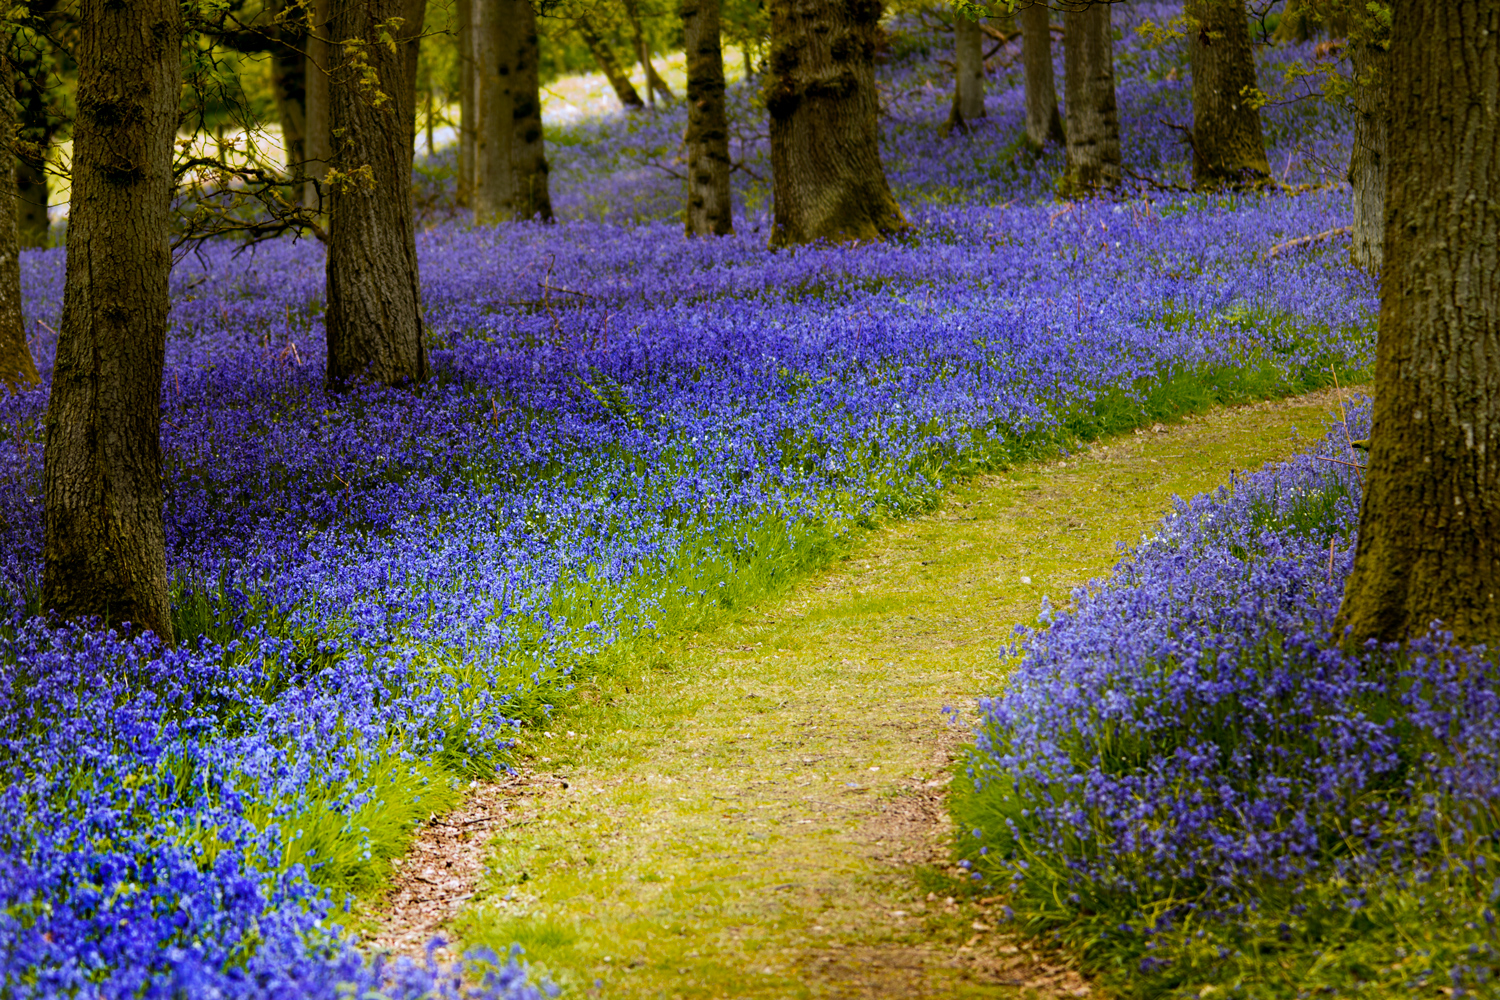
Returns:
(528, 153)
(373, 317)
(494, 175)
(1429, 531)
(1228, 150)
(827, 178)
(1367, 158)
(468, 103)
(1043, 123)
(968, 85)
(617, 77)
(105, 547)
(655, 85)
(1093, 125)
(708, 126)
(17, 370)
(32, 85)
(289, 84)
(318, 139)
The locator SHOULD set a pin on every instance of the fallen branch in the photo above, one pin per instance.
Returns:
(1340, 461)
(1305, 241)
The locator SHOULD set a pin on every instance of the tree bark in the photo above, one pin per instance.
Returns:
(494, 174)
(105, 546)
(468, 103)
(1093, 124)
(968, 84)
(1367, 158)
(1429, 530)
(827, 179)
(17, 370)
(708, 126)
(1228, 150)
(373, 317)
(318, 120)
(655, 85)
(32, 87)
(528, 153)
(1043, 123)
(618, 79)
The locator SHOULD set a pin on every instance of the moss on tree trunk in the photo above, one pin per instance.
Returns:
(708, 126)
(1367, 156)
(1228, 150)
(1043, 123)
(1093, 122)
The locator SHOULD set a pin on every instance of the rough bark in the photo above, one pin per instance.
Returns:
(1367, 158)
(373, 317)
(618, 79)
(468, 103)
(17, 370)
(1043, 123)
(1093, 124)
(318, 118)
(105, 547)
(968, 84)
(708, 125)
(1429, 532)
(827, 178)
(1228, 149)
(655, 85)
(32, 87)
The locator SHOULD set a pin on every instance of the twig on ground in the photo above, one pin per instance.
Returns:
(1303, 241)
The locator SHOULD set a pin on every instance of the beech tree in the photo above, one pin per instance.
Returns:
(373, 316)
(1043, 123)
(1228, 149)
(17, 370)
(1429, 530)
(104, 551)
(511, 181)
(708, 125)
(827, 179)
(1093, 131)
(968, 84)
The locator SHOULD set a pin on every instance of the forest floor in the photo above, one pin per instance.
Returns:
(758, 810)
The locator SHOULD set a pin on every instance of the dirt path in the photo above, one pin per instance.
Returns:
(758, 810)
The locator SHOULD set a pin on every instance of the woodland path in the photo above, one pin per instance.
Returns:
(758, 810)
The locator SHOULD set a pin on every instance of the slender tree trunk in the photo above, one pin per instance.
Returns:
(494, 192)
(1228, 150)
(655, 85)
(17, 370)
(1093, 124)
(708, 126)
(468, 103)
(289, 84)
(618, 79)
(105, 546)
(1429, 532)
(528, 152)
(1367, 158)
(827, 178)
(968, 84)
(1043, 123)
(373, 318)
(32, 87)
(318, 138)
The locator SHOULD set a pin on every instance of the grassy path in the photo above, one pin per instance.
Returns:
(758, 811)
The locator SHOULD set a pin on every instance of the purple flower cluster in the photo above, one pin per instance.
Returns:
(1194, 731)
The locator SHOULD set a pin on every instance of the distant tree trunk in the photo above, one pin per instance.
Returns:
(413, 14)
(827, 178)
(708, 127)
(17, 370)
(968, 84)
(655, 85)
(33, 81)
(1093, 124)
(618, 79)
(1429, 531)
(1043, 123)
(1367, 159)
(373, 316)
(494, 173)
(318, 138)
(105, 546)
(468, 103)
(1228, 150)
(528, 151)
(289, 84)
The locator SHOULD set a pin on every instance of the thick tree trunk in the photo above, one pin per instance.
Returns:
(105, 547)
(318, 117)
(968, 84)
(528, 153)
(494, 174)
(827, 178)
(373, 316)
(1043, 123)
(17, 370)
(33, 81)
(1367, 158)
(289, 84)
(1429, 532)
(1228, 150)
(468, 103)
(708, 126)
(618, 79)
(1093, 124)
(655, 85)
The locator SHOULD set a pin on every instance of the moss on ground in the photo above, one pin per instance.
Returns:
(757, 810)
